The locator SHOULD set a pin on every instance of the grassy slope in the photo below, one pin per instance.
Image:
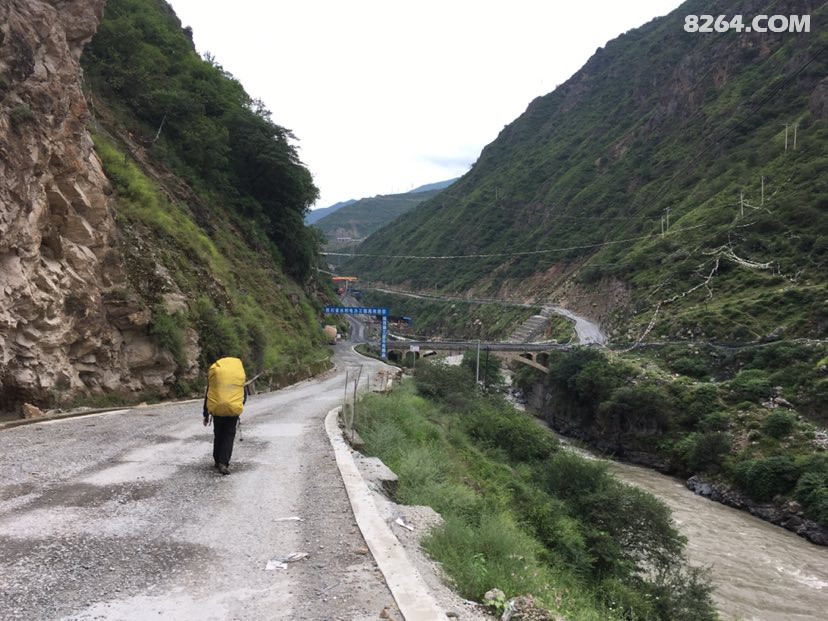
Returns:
(657, 119)
(238, 299)
(522, 515)
(183, 228)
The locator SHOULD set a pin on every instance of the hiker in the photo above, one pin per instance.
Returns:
(224, 401)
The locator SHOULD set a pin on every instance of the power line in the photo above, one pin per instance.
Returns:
(505, 254)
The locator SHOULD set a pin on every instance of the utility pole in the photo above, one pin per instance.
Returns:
(742, 203)
(477, 373)
(668, 219)
(795, 126)
(786, 136)
(762, 204)
(662, 226)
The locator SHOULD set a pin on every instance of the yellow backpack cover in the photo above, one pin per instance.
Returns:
(225, 387)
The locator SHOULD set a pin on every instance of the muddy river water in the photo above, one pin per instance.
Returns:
(761, 571)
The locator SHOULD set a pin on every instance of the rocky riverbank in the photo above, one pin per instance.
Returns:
(787, 516)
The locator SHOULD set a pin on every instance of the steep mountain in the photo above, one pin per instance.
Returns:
(318, 214)
(361, 218)
(677, 182)
(151, 213)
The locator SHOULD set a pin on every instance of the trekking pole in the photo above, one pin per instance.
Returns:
(241, 437)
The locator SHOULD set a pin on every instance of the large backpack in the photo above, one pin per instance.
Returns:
(225, 387)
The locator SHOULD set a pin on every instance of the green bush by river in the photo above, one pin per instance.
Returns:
(749, 418)
(523, 515)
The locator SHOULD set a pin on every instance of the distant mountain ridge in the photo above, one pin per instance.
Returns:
(361, 218)
(440, 185)
(356, 220)
(318, 214)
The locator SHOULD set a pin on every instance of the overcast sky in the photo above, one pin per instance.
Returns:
(386, 95)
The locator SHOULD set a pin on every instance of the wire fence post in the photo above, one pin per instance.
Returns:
(354, 407)
(345, 400)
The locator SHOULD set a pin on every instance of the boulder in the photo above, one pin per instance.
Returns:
(523, 608)
(493, 595)
(31, 411)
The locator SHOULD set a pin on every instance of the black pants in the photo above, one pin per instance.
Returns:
(224, 433)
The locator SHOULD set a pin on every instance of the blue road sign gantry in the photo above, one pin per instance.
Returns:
(375, 311)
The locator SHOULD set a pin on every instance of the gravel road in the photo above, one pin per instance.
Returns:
(122, 516)
(588, 332)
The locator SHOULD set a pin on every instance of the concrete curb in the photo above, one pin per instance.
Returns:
(415, 601)
(64, 415)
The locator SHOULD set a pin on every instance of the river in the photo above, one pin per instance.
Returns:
(761, 571)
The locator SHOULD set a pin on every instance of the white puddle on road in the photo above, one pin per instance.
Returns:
(130, 472)
(60, 522)
(279, 430)
(183, 605)
(149, 463)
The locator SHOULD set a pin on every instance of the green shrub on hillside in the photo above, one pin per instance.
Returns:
(692, 366)
(445, 383)
(812, 487)
(488, 367)
(767, 477)
(494, 425)
(627, 530)
(218, 334)
(812, 492)
(717, 421)
(693, 403)
(704, 452)
(636, 407)
(168, 332)
(779, 423)
(750, 385)
(586, 374)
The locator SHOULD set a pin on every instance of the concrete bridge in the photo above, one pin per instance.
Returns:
(535, 355)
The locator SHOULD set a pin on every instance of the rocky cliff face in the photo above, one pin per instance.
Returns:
(69, 323)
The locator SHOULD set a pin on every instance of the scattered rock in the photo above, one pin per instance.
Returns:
(779, 401)
(493, 596)
(523, 608)
(31, 411)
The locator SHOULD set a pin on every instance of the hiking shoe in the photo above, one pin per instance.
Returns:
(223, 469)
